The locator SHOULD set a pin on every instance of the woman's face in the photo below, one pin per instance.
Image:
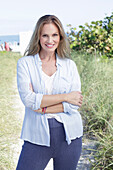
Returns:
(49, 38)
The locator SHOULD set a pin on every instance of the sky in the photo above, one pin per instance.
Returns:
(21, 15)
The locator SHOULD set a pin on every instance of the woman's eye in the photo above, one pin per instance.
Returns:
(55, 34)
(44, 35)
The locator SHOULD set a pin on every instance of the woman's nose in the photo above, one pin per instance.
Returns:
(49, 39)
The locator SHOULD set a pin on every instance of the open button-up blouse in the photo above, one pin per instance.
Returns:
(35, 125)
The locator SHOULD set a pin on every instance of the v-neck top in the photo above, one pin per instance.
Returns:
(49, 81)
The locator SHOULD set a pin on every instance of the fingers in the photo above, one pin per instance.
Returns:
(79, 105)
(77, 98)
(80, 101)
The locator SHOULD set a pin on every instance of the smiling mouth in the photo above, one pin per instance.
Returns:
(49, 46)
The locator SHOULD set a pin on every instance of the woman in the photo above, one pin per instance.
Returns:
(49, 86)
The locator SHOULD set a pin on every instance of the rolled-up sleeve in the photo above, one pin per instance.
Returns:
(30, 99)
(75, 86)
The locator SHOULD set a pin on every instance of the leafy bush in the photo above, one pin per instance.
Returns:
(97, 36)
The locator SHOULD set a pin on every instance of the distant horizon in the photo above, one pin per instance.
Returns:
(9, 39)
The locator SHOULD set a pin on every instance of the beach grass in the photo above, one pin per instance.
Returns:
(97, 109)
(9, 125)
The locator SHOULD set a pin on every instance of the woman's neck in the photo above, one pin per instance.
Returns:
(47, 56)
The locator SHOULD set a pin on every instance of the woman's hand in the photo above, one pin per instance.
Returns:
(74, 98)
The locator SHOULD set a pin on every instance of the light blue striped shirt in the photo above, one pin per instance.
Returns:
(35, 125)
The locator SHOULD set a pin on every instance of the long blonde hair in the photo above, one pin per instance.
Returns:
(34, 46)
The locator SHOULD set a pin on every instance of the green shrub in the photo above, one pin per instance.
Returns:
(96, 36)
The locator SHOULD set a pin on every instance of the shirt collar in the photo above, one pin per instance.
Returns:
(37, 59)
(59, 60)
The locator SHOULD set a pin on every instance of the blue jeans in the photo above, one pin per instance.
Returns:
(65, 157)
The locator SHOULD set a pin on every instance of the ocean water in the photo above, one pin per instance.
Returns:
(9, 38)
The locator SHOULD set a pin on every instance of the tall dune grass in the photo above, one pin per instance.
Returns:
(97, 110)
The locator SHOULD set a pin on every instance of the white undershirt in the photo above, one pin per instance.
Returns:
(49, 89)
